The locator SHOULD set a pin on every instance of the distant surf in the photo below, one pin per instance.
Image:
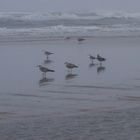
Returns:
(60, 25)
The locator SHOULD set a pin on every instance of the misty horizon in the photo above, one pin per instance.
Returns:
(69, 6)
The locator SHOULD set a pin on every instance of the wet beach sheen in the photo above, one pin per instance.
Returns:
(93, 102)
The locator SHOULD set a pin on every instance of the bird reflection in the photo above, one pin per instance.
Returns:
(100, 69)
(70, 76)
(44, 81)
(92, 65)
(48, 61)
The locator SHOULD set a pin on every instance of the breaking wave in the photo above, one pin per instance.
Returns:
(21, 25)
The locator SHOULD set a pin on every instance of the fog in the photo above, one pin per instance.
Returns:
(69, 5)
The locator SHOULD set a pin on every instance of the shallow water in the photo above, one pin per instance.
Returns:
(102, 100)
(19, 61)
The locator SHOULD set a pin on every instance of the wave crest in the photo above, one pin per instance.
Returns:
(68, 24)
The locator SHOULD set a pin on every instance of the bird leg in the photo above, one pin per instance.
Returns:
(47, 57)
(71, 71)
(44, 74)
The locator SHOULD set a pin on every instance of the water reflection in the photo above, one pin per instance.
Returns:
(70, 76)
(100, 69)
(44, 81)
(48, 61)
(92, 65)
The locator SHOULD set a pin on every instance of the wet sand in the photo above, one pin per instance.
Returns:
(94, 102)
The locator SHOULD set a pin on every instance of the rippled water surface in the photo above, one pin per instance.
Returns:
(93, 102)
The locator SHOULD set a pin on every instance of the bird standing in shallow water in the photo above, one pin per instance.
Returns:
(92, 58)
(44, 69)
(80, 39)
(100, 59)
(48, 53)
(70, 66)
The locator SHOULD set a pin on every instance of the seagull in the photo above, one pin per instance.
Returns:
(80, 39)
(68, 37)
(44, 69)
(48, 53)
(70, 66)
(100, 59)
(92, 58)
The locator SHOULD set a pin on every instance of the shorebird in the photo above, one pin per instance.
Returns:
(44, 69)
(92, 58)
(47, 53)
(100, 59)
(80, 39)
(70, 66)
(68, 37)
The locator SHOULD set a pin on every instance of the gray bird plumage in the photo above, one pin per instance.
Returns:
(92, 58)
(81, 39)
(100, 59)
(47, 53)
(44, 69)
(70, 65)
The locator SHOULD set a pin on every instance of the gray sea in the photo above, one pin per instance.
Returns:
(95, 101)
(56, 25)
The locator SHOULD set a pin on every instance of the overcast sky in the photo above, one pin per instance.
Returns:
(69, 5)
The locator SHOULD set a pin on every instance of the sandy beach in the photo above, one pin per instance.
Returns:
(100, 102)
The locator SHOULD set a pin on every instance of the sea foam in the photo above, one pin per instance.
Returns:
(56, 24)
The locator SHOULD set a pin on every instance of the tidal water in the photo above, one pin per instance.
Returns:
(93, 102)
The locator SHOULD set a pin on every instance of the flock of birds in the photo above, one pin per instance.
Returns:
(68, 65)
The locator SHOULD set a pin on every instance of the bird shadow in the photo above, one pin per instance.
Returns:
(70, 76)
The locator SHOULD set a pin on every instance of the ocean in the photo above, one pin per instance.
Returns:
(94, 101)
(57, 25)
